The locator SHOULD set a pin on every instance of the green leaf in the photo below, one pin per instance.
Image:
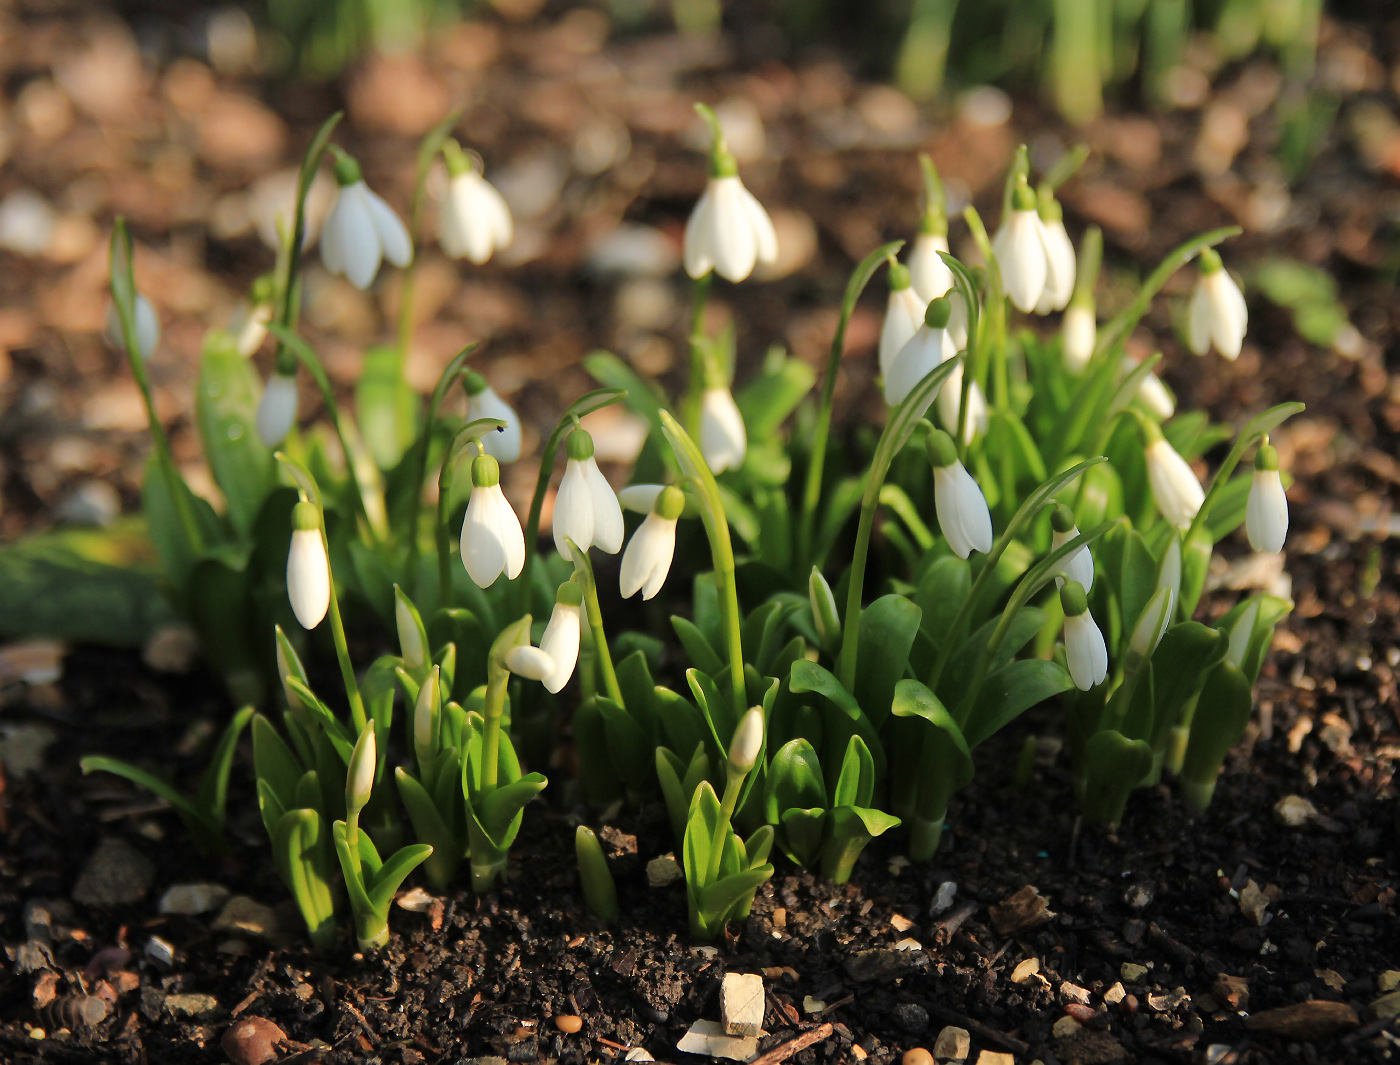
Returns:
(628, 744)
(802, 833)
(274, 763)
(393, 873)
(212, 797)
(1222, 715)
(302, 846)
(700, 825)
(430, 826)
(887, 630)
(941, 591)
(682, 725)
(1113, 766)
(226, 405)
(719, 899)
(794, 780)
(856, 783)
(1180, 663)
(767, 400)
(159, 503)
(385, 406)
(100, 763)
(702, 655)
(1009, 692)
(848, 720)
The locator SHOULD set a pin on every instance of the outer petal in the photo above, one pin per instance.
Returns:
(561, 643)
(393, 237)
(512, 536)
(928, 273)
(1021, 255)
(950, 400)
(1060, 267)
(308, 577)
(662, 550)
(647, 559)
(1085, 652)
(904, 313)
(608, 528)
(361, 239)
(1155, 397)
(498, 214)
(765, 236)
(640, 497)
(451, 231)
(1078, 337)
(277, 409)
(147, 327)
(972, 510)
(503, 446)
(573, 510)
(1174, 485)
(733, 241)
(916, 360)
(1198, 321)
(699, 235)
(1266, 513)
(955, 333)
(723, 439)
(483, 553)
(333, 237)
(1079, 567)
(1228, 316)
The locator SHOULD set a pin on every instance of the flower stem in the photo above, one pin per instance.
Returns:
(732, 782)
(493, 710)
(342, 651)
(690, 406)
(584, 571)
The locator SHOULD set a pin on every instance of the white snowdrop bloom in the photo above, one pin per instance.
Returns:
(958, 502)
(640, 498)
(723, 439)
(1079, 567)
(1020, 251)
(647, 559)
(1059, 262)
(483, 402)
(562, 635)
(529, 662)
(277, 409)
(586, 509)
(1079, 332)
(492, 540)
(361, 229)
(1175, 488)
(1242, 633)
(308, 569)
(904, 313)
(729, 232)
(747, 742)
(950, 405)
(922, 354)
(474, 222)
(1151, 393)
(364, 762)
(1086, 654)
(147, 327)
(1266, 513)
(1217, 314)
(928, 273)
(1152, 623)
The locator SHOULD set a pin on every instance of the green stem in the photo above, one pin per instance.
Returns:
(850, 625)
(342, 651)
(420, 456)
(583, 569)
(732, 783)
(290, 307)
(991, 345)
(493, 710)
(690, 406)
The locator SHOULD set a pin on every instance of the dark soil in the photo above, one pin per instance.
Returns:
(481, 977)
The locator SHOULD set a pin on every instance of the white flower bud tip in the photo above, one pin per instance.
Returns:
(744, 748)
(359, 780)
(1174, 484)
(308, 569)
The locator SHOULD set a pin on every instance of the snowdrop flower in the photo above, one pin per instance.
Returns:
(1175, 488)
(647, 559)
(1059, 259)
(586, 509)
(1152, 394)
(950, 406)
(361, 229)
(359, 777)
(1079, 567)
(747, 743)
(1085, 651)
(561, 636)
(483, 402)
(529, 662)
(958, 502)
(928, 273)
(475, 221)
(147, 327)
(922, 354)
(492, 540)
(1079, 332)
(723, 440)
(640, 498)
(1217, 314)
(729, 231)
(1151, 624)
(824, 616)
(308, 569)
(1266, 513)
(904, 313)
(1020, 251)
(277, 409)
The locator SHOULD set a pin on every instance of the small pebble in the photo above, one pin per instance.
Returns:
(253, 1041)
(568, 1023)
(917, 1056)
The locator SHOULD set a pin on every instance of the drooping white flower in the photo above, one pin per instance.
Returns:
(647, 559)
(1266, 513)
(1078, 567)
(1020, 251)
(904, 313)
(1086, 654)
(1059, 262)
(950, 405)
(640, 498)
(728, 231)
(492, 540)
(723, 439)
(277, 409)
(475, 221)
(1175, 488)
(562, 635)
(928, 273)
(147, 325)
(529, 662)
(308, 568)
(483, 402)
(1151, 393)
(747, 742)
(1079, 332)
(1217, 314)
(361, 229)
(586, 509)
(921, 355)
(958, 502)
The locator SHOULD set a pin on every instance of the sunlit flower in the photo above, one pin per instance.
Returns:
(921, 355)
(1019, 248)
(529, 662)
(359, 775)
(1266, 513)
(562, 635)
(647, 559)
(729, 231)
(1152, 623)
(483, 402)
(928, 273)
(1086, 654)
(1217, 314)
(904, 313)
(474, 222)
(950, 406)
(1059, 261)
(1175, 488)
(958, 502)
(1079, 566)
(492, 540)
(308, 569)
(1151, 393)
(1078, 335)
(361, 229)
(586, 509)
(747, 742)
(723, 439)
(277, 409)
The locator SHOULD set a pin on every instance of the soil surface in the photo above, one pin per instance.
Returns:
(1171, 940)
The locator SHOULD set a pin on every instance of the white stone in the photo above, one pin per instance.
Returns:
(812, 1005)
(191, 899)
(943, 897)
(708, 1038)
(1065, 1026)
(664, 871)
(741, 1003)
(952, 1044)
(1115, 994)
(1023, 972)
(1294, 811)
(26, 223)
(160, 952)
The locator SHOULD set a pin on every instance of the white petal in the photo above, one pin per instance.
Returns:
(1198, 321)
(640, 498)
(308, 577)
(1079, 567)
(904, 313)
(955, 333)
(393, 237)
(1174, 484)
(733, 241)
(512, 537)
(1079, 334)
(483, 553)
(1228, 315)
(699, 235)
(147, 327)
(1059, 267)
(529, 662)
(765, 236)
(1021, 256)
(277, 409)
(723, 440)
(915, 361)
(950, 403)
(1085, 652)
(962, 510)
(608, 528)
(573, 510)
(332, 238)
(361, 240)
(928, 273)
(450, 229)
(1266, 513)
(1153, 394)
(503, 446)
(561, 642)
(647, 559)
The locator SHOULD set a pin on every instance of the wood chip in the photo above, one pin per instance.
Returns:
(1307, 1020)
(1019, 913)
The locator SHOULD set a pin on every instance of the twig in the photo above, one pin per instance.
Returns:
(836, 1005)
(374, 1038)
(945, 929)
(794, 1046)
(981, 1031)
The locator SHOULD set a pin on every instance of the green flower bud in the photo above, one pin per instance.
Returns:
(306, 516)
(938, 312)
(942, 452)
(579, 445)
(1073, 600)
(486, 472)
